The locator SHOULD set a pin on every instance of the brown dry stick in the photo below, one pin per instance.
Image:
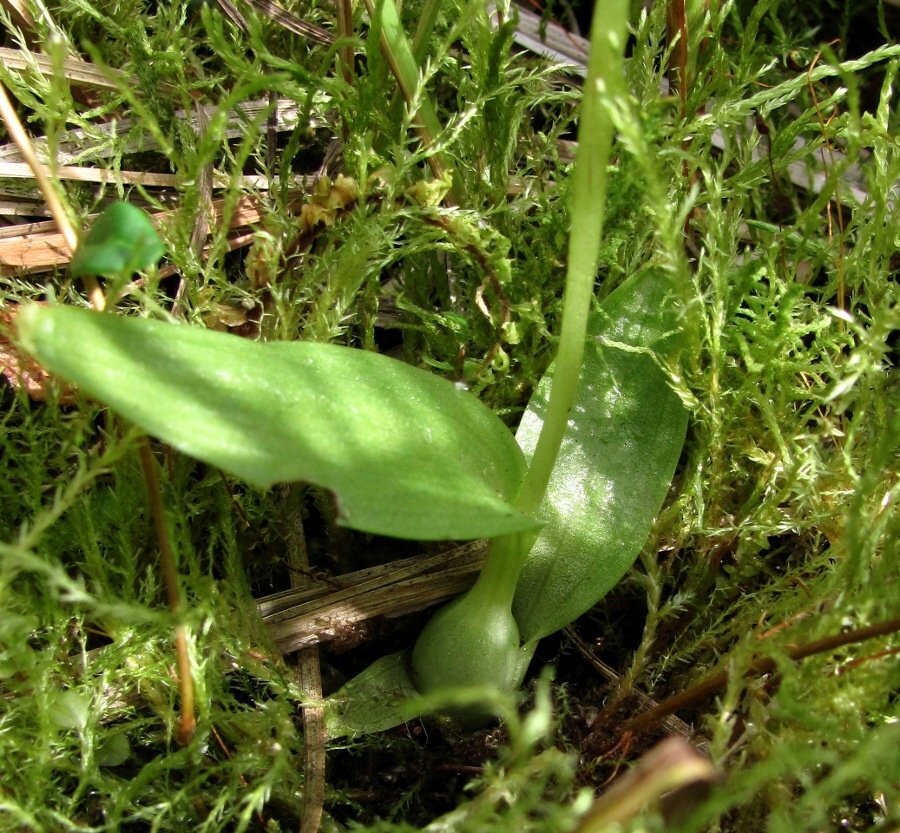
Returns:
(336, 608)
(309, 677)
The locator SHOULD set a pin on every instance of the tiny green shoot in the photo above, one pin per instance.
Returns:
(121, 241)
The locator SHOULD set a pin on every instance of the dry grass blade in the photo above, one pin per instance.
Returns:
(57, 208)
(205, 186)
(232, 13)
(71, 147)
(20, 170)
(557, 44)
(38, 248)
(291, 22)
(22, 140)
(318, 613)
(75, 70)
(20, 15)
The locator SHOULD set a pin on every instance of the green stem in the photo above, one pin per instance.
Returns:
(502, 564)
(475, 640)
(506, 556)
(595, 135)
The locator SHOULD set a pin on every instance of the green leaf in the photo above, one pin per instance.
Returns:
(616, 462)
(122, 240)
(405, 453)
(379, 698)
(383, 696)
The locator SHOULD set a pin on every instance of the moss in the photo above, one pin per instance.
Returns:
(781, 527)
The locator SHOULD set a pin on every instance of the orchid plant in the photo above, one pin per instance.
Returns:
(567, 502)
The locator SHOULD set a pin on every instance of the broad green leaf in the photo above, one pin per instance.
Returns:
(616, 462)
(122, 240)
(405, 453)
(379, 698)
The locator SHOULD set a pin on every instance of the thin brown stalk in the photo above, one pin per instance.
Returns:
(188, 720)
(760, 665)
(345, 32)
(54, 203)
(309, 676)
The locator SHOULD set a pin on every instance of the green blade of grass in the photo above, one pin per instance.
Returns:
(399, 55)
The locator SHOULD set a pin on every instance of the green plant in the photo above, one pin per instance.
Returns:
(121, 241)
(407, 454)
(608, 482)
(782, 527)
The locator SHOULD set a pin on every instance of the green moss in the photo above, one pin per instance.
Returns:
(782, 525)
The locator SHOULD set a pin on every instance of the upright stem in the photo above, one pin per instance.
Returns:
(187, 723)
(506, 556)
(588, 205)
(475, 641)
(502, 564)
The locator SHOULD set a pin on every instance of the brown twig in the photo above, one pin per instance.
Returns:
(54, 203)
(188, 721)
(760, 665)
(309, 677)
